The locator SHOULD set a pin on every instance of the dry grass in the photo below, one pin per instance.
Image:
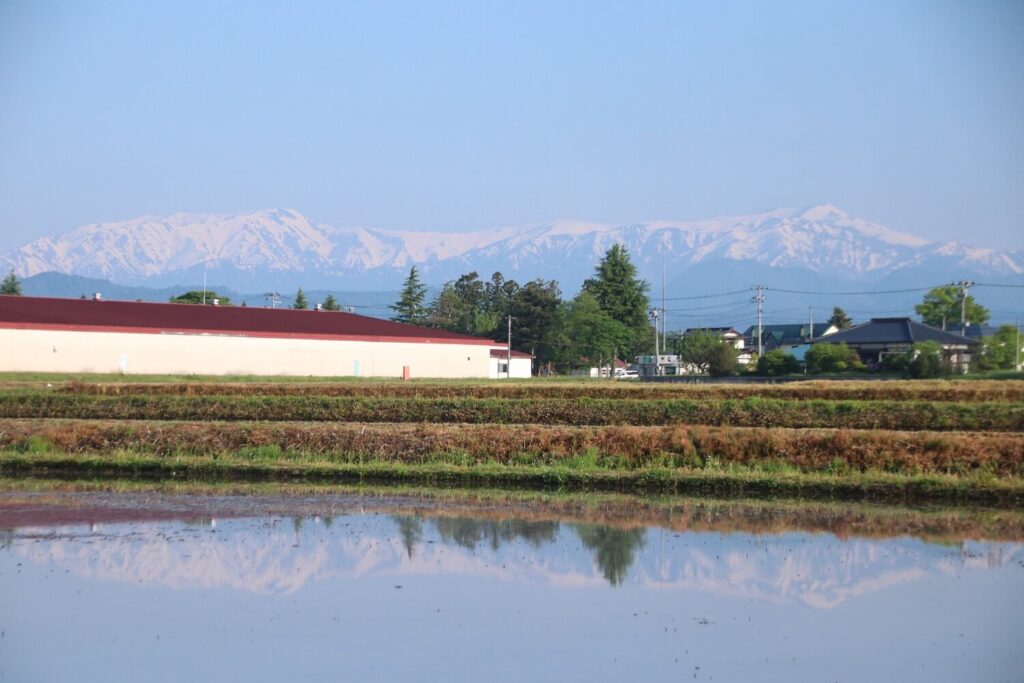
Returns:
(896, 390)
(821, 450)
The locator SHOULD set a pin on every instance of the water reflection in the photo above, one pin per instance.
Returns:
(614, 549)
(469, 593)
(279, 555)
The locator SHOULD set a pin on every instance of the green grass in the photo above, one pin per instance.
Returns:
(748, 412)
(586, 473)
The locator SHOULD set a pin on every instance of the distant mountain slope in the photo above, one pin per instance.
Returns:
(373, 303)
(282, 249)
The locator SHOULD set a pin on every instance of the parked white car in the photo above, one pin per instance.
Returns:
(622, 373)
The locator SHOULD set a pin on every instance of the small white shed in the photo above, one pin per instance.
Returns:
(522, 364)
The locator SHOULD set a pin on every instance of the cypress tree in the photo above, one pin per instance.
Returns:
(11, 286)
(409, 308)
(622, 296)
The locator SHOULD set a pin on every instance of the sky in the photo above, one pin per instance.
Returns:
(460, 116)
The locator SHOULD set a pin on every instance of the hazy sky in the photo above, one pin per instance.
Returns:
(478, 114)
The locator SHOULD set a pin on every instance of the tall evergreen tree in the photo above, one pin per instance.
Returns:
(11, 286)
(330, 304)
(300, 303)
(622, 296)
(410, 308)
(839, 319)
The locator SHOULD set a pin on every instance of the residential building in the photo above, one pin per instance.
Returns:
(880, 337)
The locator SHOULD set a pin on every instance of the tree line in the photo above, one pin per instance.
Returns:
(608, 318)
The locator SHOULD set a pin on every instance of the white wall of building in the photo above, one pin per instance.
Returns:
(522, 368)
(210, 354)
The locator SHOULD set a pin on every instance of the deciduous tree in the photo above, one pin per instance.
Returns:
(942, 306)
(197, 297)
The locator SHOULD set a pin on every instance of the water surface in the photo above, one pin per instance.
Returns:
(152, 586)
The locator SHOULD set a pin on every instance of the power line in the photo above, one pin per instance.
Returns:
(879, 291)
(706, 296)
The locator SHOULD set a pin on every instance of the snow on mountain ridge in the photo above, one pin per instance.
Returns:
(821, 238)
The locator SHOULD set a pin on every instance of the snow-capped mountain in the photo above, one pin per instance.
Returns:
(282, 248)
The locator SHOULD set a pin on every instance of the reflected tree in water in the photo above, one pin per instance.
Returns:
(614, 549)
(411, 531)
(469, 532)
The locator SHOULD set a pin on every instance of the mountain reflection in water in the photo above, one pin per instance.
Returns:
(589, 600)
(279, 555)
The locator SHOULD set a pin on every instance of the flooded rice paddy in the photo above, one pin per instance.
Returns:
(346, 585)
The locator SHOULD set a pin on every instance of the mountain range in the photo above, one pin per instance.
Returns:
(820, 248)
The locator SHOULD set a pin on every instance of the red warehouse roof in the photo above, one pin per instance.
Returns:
(24, 312)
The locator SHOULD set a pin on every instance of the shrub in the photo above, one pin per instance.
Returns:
(777, 362)
(926, 360)
(722, 361)
(832, 358)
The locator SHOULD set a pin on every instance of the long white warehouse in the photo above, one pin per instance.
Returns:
(39, 334)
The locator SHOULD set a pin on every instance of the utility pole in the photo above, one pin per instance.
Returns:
(204, 284)
(1016, 355)
(964, 285)
(810, 322)
(508, 367)
(664, 321)
(657, 356)
(759, 300)
(273, 299)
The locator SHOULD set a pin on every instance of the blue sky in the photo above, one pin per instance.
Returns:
(457, 116)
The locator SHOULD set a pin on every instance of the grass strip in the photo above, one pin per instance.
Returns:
(895, 390)
(618, 447)
(735, 481)
(750, 412)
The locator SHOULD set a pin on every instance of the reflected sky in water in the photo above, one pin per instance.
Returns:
(376, 596)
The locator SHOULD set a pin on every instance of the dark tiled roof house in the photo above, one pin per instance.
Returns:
(880, 337)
